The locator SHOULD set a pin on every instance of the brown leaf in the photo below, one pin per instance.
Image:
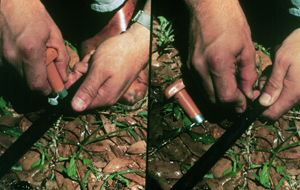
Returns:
(116, 164)
(74, 58)
(137, 148)
(10, 121)
(136, 178)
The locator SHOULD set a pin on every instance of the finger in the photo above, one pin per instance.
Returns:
(110, 92)
(222, 67)
(256, 93)
(287, 98)
(35, 70)
(247, 71)
(88, 56)
(262, 82)
(89, 88)
(61, 62)
(63, 57)
(72, 78)
(80, 68)
(274, 84)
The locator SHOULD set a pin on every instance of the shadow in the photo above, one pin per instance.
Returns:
(269, 22)
(15, 90)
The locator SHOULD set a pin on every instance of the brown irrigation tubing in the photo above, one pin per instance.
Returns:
(219, 148)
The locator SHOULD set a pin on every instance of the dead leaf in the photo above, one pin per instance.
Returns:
(116, 164)
(137, 148)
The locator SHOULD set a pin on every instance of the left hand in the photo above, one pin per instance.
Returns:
(112, 68)
(282, 89)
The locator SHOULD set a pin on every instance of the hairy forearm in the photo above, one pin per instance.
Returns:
(205, 7)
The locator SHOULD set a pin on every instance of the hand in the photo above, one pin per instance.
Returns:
(281, 91)
(220, 42)
(26, 31)
(112, 68)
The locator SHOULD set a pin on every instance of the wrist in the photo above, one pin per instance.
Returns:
(139, 37)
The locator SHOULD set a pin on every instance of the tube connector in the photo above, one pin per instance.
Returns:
(177, 89)
(54, 77)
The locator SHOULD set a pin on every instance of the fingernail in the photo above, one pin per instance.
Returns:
(264, 99)
(239, 109)
(78, 104)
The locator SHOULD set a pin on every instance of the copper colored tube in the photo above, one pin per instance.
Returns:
(177, 90)
(53, 75)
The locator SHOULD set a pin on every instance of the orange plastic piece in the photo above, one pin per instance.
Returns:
(177, 90)
(52, 73)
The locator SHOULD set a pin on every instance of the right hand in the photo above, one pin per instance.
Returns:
(26, 31)
(220, 42)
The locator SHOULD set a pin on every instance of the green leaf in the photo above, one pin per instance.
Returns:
(162, 19)
(187, 167)
(120, 124)
(279, 183)
(35, 164)
(264, 176)
(86, 175)
(3, 108)
(143, 114)
(280, 169)
(87, 162)
(133, 134)
(42, 167)
(227, 171)
(63, 168)
(233, 174)
(240, 166)
(177, 112)
(205, 138)
(70, 45)
(125, 180)
(169, 135)
(71, 170)
(19, 168)
(209, 176)
(12, 131)
(186, 121)
(256, 176)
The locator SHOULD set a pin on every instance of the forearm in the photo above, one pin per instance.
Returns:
(207, 7)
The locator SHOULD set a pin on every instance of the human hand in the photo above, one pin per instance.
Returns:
(112, 68)
(220, 44)
(281, 91)
(27, 30)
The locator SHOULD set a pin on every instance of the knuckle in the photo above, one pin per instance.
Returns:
(111, 102)
(36, 86)
(214, 59)
(88, 91)
(28, 48)
(272, 84)
(227, 97)
(197, 61)
(105, 98)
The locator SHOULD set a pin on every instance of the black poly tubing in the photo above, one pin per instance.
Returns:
(17, 150)
(219, 148)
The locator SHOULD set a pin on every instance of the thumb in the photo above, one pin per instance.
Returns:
(273, 86)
